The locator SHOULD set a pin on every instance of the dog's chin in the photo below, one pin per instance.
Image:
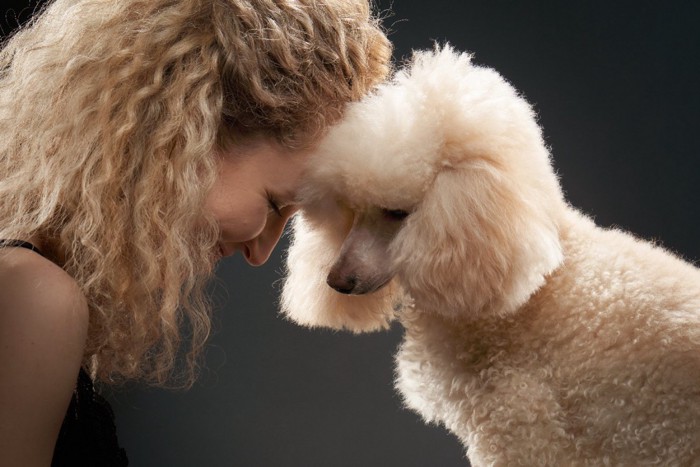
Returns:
(354, 286)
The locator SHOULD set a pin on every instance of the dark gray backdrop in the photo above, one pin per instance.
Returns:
(615, 86)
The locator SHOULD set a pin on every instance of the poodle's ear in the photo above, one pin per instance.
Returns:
(317, 237)
(480, 243)
(485, 233)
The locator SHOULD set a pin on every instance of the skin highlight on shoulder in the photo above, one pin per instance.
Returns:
(43, 327)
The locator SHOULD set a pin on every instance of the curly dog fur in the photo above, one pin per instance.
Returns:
(533, 335)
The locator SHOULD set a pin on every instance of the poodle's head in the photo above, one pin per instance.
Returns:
(439, 187)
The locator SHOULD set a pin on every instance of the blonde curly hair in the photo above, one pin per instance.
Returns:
(110, 115)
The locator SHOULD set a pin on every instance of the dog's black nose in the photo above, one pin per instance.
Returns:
(340, 284)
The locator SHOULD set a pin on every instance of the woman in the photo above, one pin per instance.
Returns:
(141, 140)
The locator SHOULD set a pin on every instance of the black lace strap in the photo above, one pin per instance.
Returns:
(19, 243)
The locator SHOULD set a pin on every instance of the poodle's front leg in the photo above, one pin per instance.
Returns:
(510, 419)
(503, 415)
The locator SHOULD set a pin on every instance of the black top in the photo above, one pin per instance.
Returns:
(88, 436)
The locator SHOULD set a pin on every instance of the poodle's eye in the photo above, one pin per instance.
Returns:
(394, 214)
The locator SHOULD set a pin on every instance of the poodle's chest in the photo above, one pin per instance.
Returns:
(447, 369)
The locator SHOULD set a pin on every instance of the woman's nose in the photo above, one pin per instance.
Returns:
(257, 253)
(258, 250)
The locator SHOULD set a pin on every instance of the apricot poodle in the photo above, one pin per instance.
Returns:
(533, 335)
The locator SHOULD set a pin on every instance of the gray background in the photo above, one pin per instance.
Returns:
(616, 88)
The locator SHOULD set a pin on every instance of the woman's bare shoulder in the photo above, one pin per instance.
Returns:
(43, 328)
(34, 288)
(40, 306)
(29, 279)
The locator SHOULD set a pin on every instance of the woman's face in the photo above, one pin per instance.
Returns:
(253, 197)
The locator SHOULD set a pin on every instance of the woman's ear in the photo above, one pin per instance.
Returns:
(317, 237)
(480, 243)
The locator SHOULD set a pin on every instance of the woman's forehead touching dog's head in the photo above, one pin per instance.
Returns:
(389, 147)
(374, 158)
(385, 151)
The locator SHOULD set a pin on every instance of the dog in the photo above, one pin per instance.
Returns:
(535, 336)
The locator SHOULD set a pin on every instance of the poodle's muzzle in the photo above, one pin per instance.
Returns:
(364, 263)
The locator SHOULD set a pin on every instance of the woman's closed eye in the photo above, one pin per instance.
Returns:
(274, 205)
